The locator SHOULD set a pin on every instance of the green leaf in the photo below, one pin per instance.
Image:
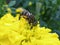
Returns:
(12, 3)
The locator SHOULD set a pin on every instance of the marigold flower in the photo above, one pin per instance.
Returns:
(17, 32)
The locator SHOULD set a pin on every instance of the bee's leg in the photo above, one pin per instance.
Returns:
(31, 27)
(34, 24)
(19, 17)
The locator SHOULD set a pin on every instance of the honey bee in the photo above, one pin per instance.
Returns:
(29, 17)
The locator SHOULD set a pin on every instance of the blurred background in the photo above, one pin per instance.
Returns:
(47, 12)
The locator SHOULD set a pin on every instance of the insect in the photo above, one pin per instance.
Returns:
(29, 16)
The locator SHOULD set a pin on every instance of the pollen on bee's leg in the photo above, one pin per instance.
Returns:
(19, 17)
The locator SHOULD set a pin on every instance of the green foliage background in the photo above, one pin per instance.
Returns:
(46, 11)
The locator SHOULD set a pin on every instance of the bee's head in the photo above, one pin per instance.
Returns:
(19, 10)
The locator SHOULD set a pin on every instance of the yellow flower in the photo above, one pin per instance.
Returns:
(17, 32)
(8, 18)
(8, 9)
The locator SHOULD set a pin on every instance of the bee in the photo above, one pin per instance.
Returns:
(29, 17)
